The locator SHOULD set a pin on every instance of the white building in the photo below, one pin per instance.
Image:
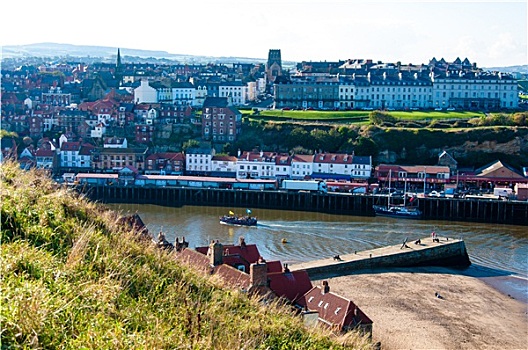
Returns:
(263, 165)
(301, 166)
(474, 90)
(223, 166)
(183, 93)
(115, 142)
(69, 152)
(198, 161)
(145, 93)
(234, 90)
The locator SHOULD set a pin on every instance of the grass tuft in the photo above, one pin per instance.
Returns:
(73, 278)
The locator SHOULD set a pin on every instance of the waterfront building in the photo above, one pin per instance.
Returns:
(260, 165)
(302, 166)
(223, 166)
(198, 160)
(417, 177)
(333, 310)
(114, 159)
(165, 163)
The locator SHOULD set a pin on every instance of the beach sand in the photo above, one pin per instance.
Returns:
(401, 302)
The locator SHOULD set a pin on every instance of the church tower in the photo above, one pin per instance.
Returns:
(119, 68)
(273, 66)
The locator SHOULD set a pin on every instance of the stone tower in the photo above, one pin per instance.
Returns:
(273, 66)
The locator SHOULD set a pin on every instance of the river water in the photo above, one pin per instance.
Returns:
(494, 250)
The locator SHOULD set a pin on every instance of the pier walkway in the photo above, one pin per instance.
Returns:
(445, 252)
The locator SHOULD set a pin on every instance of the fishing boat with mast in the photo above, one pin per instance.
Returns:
(402, 211)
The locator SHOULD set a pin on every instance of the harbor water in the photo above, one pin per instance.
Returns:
(499, 253)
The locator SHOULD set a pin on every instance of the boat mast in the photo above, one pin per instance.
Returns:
(390, 178)
(405, 193)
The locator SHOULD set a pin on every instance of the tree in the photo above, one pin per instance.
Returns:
(190, 144)
(378, 118)
(366, 147)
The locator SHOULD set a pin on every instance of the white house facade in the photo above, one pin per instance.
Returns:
(145, 93)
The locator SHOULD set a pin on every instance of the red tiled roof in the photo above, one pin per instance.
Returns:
(42, 152)
(249, 253)
(70, 146)
(177, 156)
(334, 309)
(86, 149)
(290, 285)
(303, 158)
(224, 158)
(333, 158)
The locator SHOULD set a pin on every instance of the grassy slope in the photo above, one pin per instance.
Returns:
(360, 116)
(72, 278)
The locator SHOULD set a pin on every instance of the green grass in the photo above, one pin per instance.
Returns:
(359, 116)
(73, 278)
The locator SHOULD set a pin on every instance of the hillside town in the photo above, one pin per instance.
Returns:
(104, 117)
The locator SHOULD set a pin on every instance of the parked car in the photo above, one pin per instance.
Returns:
(435, 194)
(451, 109)
(439, 109)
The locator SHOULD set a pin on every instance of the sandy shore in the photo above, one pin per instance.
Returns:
(407, 315)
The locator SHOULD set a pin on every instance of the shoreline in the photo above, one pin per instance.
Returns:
(474, 312)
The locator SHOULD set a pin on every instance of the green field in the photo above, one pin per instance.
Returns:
(357, 116)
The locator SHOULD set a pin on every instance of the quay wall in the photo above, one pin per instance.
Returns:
(451, 253)
(487, 211)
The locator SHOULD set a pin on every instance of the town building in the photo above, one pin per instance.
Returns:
(198, 160)
(166, 163)
(111, 160)
(223, 166)
(221, 122)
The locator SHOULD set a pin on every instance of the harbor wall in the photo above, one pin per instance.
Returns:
(448, 253)
(451, 209)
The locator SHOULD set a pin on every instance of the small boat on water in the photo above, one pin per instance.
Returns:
(395, 211)
(398, 211)
(236, 220)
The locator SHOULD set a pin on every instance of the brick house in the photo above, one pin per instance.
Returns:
(167, 163)
(220, 120)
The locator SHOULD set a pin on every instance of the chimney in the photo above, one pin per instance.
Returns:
(216, 249)
(325, 288)
(258, 274)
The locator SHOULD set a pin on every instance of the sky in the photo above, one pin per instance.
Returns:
(490, 33)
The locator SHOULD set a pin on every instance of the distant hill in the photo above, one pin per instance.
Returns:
(511, 69)
(109, 53)
(106, 52)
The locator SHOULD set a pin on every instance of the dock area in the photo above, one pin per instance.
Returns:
(420, 252)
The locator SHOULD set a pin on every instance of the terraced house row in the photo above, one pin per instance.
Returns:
(364, 84)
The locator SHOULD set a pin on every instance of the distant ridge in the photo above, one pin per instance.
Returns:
(107, 52)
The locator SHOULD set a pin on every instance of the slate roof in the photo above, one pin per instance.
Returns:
(216, 102)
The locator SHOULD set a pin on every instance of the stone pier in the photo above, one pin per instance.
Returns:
(444, 252)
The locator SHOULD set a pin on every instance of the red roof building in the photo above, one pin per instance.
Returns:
(169, 163)
(334, 310)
